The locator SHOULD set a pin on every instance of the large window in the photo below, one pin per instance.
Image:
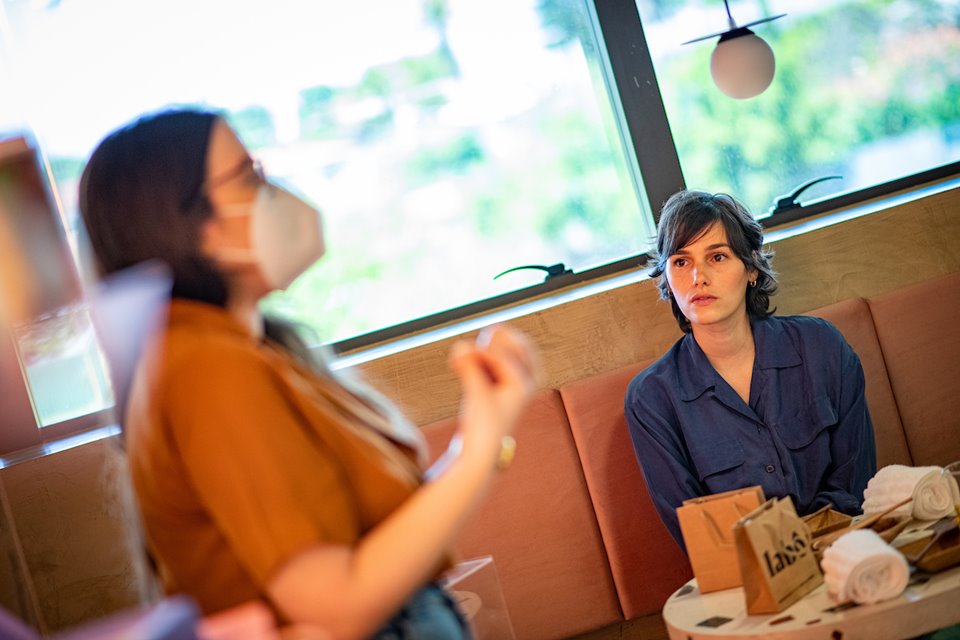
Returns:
(445, 140)
(450, 140)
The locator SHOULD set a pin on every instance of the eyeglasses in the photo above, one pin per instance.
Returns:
(254, 168)
(256, 172)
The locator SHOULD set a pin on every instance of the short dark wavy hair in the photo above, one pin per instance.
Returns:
(686, 216)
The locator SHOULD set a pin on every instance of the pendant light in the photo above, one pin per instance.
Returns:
(742, 64)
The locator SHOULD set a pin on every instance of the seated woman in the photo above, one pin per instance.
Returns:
(745, 397)
(260, 474)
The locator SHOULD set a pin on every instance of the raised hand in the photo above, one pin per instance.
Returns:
(499, 372)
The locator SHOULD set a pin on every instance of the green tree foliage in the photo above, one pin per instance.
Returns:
(67, 169)
(455, 157)
(316, 112)
(663, 9)
(566, 21)
(431, 67)
(846, 77)
(570, 183)
(255, 126)
(436, 14)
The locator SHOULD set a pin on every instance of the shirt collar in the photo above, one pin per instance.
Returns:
(192, 313)
(772, 346)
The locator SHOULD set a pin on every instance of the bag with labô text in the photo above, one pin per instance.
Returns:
(777, 565)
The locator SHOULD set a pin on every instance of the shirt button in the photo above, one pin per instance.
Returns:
(770, 468)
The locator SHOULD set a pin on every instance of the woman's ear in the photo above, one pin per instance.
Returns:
(663, 284)
(211, 237)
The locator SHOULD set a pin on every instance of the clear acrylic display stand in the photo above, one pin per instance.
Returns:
(475, 586)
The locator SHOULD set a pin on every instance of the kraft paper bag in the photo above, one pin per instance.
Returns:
(777, 564)
(707, 527)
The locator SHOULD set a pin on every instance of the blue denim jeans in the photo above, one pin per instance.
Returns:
(429, 614)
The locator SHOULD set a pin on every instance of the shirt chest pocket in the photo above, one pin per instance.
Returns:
(717, 458)
(804, 426)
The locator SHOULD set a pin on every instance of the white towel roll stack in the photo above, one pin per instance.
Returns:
(862, 568)
(933, 492)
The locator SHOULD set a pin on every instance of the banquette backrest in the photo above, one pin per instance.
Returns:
(918, 329)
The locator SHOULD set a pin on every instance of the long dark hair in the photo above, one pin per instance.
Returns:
(686, 216)
(142, 199)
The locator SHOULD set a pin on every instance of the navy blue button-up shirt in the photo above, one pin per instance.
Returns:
(806, 432)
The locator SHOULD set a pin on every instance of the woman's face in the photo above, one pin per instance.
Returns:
(232, 176)
(232, 181)
(709, 281)
(262, 236)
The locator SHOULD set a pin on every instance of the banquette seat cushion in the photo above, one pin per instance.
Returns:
(646, 563)
(539, 525)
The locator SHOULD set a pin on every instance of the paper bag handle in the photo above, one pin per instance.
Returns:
(715, 532)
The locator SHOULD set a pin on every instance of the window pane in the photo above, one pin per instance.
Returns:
(445, 140)
(65, 370)
(865, 89)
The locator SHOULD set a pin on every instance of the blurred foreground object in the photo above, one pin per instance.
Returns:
(126, 308)
(37, 272)
(173, 618)
(475, 586)
(52, 372)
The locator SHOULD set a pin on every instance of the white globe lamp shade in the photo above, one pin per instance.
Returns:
(742, 66)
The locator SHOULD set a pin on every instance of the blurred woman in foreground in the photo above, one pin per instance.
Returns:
(259, 473)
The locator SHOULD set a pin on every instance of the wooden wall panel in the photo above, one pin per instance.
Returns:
(74, 514)
(16, 587)
(576, 339)
(863, 256)
(870, 255)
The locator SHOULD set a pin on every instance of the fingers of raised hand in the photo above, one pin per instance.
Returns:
(510, 353)
(466, 362)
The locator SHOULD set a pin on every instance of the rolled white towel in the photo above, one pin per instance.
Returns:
(933, 492)
(863, 568)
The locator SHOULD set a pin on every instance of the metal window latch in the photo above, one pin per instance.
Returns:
(788, 201)
(553, 270)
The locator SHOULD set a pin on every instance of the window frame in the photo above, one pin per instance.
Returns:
(19, 425)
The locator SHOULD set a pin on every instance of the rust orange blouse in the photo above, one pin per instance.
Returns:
(241, 458)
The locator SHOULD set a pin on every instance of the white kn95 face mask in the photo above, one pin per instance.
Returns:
(286, 236)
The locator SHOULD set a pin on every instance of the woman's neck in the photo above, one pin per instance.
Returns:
(729, 349)
(727, 341)
(246, 310)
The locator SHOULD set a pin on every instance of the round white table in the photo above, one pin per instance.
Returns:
(930, 602)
